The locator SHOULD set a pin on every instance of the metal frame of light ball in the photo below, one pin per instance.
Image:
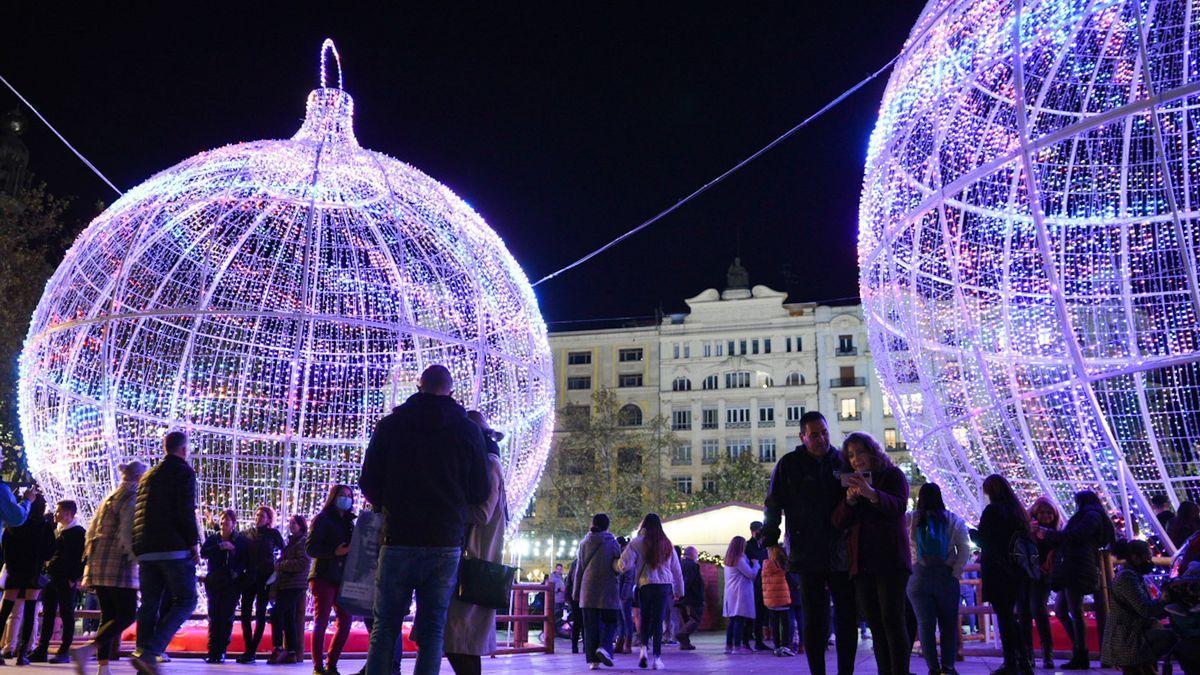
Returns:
(274, 299)
(1031, 311)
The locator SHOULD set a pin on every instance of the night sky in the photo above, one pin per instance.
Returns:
(563, 124)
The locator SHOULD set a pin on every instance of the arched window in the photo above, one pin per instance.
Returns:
(710, 382)
(681, 384)
(794, 379)
(630, 416)
(768, 381)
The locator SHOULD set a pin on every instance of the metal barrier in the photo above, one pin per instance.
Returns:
(519, 619)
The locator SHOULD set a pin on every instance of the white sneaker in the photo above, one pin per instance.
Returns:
(658, 664)
(604, 657)
(642, 660)
(81, 657)
(103, 670)
(593, 666)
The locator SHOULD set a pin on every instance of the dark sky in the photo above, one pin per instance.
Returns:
(563, 124)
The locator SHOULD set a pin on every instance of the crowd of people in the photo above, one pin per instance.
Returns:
(838, 546)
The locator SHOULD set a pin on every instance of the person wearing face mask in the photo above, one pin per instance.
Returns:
(226, 552)
(264, 541)
(328, 544)
(1134, 640)
(291, 573)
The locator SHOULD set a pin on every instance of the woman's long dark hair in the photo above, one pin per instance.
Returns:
(335, 491)
(930, 504)
(655, 545)
(1000, 493)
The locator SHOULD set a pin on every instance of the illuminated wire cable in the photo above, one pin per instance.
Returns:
(61, 137)
(704, 188)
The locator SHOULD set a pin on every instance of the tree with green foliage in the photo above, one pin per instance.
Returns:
(35, 230)
(603, 462)
(735, 479)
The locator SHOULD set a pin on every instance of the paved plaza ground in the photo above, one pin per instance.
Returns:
(708, 658)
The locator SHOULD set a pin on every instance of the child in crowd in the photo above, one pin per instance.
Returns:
(778, 599)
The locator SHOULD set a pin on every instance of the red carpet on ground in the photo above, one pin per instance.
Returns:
(194, 638)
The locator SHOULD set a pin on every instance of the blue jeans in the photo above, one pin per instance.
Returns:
(431, 572)
(599, 625)
(934, 594)
(654, 601)
(160, 579)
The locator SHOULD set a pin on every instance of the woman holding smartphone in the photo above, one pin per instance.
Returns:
(880, 559)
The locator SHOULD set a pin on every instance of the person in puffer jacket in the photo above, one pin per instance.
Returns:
(778, 599)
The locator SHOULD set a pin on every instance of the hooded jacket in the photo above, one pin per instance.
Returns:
(425, 465)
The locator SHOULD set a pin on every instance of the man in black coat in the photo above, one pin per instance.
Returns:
(806, 487)
(166, 541)
(758, 553)
(426, 465)
(65, 569)
(691, 605)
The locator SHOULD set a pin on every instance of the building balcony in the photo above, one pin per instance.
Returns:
(793, 423)
(848, 382)
(737, 425)
(766, 424)
(681, 461)
(849, 417)
(899, 447)
(706, 425)
(681, 427)
(849, 351)
(708, 460)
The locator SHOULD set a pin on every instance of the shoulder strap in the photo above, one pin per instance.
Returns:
(589, 560)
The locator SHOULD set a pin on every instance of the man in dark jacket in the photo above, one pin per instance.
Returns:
(758, 553)
(425, 466)
(166, 541)
(65, 569)
(691, 605)
(806, 487)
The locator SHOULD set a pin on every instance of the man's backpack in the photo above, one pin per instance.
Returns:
(1023, 555)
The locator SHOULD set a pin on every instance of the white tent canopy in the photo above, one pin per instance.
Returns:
(710, 529)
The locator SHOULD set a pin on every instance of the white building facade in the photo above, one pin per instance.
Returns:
(733, 375)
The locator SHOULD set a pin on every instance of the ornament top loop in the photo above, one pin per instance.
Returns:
(326, 47)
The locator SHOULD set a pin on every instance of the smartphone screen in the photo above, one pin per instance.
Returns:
(845, 478)
(866, 475)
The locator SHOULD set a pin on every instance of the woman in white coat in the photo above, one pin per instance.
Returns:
(659, 579)
(739, 594)
(471, 629)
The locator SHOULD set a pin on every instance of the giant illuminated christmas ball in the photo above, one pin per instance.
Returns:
(274, 299)
(1028, 246)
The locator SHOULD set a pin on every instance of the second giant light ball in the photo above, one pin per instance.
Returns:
(1028, 242)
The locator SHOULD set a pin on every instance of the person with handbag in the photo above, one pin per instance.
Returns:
(1004, 584)
(426, 466)
(26, 548)
(226, 553)
(659, 580)
(470, 627)
(596, 591)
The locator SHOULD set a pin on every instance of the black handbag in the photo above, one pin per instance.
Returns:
(484, 583)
